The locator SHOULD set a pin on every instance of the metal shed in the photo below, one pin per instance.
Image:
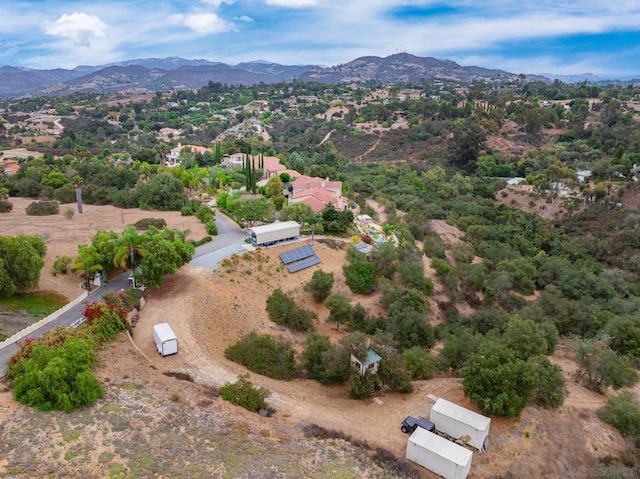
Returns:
(267, 235)
(439, 455)
(458, 422)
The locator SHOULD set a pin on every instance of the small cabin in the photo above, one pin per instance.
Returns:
(370, 363)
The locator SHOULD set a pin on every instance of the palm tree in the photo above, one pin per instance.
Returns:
(129, 245)
(77, 184)
(162, 150)
(87, 263)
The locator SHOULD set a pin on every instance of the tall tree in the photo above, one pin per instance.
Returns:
(129, 248)
(78, 184)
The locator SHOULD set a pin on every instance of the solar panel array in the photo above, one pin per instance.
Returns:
(297, 254)
(300, 258)
(302, 264)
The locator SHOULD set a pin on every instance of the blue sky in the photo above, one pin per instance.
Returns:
(540, 36)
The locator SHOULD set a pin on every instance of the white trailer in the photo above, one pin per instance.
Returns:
(166, 340)
(438, 454)
(267, 235)
(460, 422)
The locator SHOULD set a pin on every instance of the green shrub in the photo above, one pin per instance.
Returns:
(211, 227)
(360, 278)
(201, 241)
(5, 206)
(58, 377)
(61, 265)
(245, 394)
(623, 413)
(320, 285)
(441, 266)
(263, 354)
(205, 214)
(187, 211)
(145, 223)
(361, 386)
(283, 310)
(419, 363)
(43, 208)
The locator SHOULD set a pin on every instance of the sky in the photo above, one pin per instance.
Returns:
(526, 36)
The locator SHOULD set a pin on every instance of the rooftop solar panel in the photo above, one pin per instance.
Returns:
(302, 264)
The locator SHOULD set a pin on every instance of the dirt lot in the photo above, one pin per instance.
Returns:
(138, 427)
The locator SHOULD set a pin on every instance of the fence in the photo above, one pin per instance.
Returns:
(35, 326)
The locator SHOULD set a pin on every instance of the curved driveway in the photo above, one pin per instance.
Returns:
(230, 239)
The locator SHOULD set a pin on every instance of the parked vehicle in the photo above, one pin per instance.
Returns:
(165, 338)
(410, 424)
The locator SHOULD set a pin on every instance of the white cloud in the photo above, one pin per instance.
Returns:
(202, 23)
(80, 28)
(292, 3)
(244, 18)
(217, 3)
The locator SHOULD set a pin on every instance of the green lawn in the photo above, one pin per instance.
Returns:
(38, 305)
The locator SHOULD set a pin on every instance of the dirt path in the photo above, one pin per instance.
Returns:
(326, 138)
(373, 147)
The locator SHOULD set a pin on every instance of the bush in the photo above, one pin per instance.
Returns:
(68, 213)
(361, 386)
(104, 320)
(361, 278)
(283, 310)
(205, 214)
(145, 223)
(441, 266)
(5, 206)
(244, 393)
(419, 363)
(263, 354)
(211, 228)
(201, 241)
(623, 413)
(58, 377)
(320, 285)
(43, 208)
(61, 265)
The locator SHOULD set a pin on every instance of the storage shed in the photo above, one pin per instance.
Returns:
(439, 455)
(274, 233)
(460, 422)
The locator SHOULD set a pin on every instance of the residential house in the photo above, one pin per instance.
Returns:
(368, 364)
(271, 165)
(317, 193)
(173, 157)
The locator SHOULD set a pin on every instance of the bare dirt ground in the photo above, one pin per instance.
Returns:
(147, 417)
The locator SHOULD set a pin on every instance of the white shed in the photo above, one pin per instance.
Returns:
(443, 457)
(274, 233)
(458, 422)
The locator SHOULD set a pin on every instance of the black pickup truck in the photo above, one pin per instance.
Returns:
(410, 424)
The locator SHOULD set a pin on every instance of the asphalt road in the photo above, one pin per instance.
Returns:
(230, 239)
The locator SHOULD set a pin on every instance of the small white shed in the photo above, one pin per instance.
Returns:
(460, 422)
(274, 233)
(439, 455)
(165, 339)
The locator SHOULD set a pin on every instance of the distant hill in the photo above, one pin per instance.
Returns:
(401, 67)
(161, 74)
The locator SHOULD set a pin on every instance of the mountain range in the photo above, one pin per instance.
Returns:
(162, 74)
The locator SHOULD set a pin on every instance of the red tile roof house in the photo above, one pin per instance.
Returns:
(173, 157)
(317, 193)
(272, 166)
(9, 167)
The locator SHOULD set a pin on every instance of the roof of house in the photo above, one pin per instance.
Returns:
(372, 357)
